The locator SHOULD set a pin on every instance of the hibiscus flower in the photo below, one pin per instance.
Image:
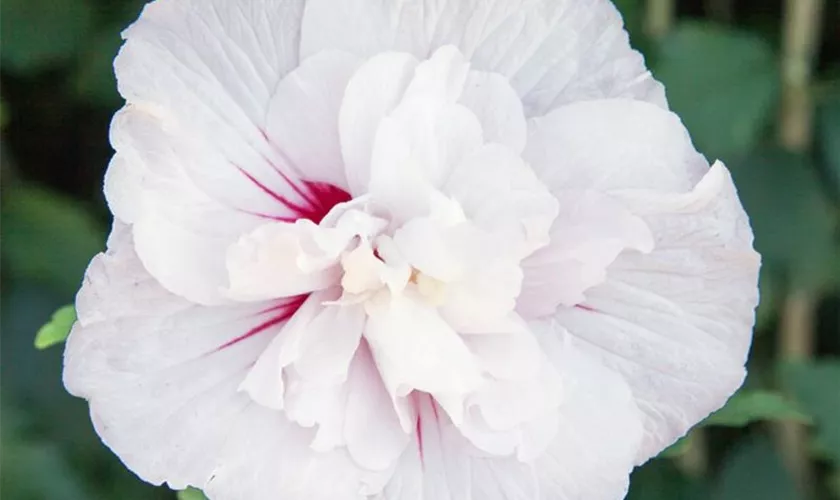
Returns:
(404, 250)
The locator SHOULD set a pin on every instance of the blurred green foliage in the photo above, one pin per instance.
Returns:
(722, 79)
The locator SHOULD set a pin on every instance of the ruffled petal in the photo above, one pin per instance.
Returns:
(553, 52)
(676, 323)
(499, 192)
(416, 350)
(161, 376)
(590, 232)
(613, 144)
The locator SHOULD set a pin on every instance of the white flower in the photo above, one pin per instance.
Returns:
(404, 250)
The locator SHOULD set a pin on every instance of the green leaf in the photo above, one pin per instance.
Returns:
(191, 494)
(4, 113)
(58, 328)
(829, 137)
(789, 214)
(39, 34)
(677, 449)
(754, 471)
(722, 83)
(47, 237)
(95, 81)
(748, 406)
(817, 388)
(661, 480)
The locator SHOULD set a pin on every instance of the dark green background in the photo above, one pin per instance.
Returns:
(721, 72)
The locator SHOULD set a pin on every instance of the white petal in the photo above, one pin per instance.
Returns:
(208, 70)
(163, 390)
(441, 465)
(677, 323)
(478, 272)
(415, 349)
(302, 118)
(587, 236)
(375, 437)
(599, 430)
(371, 94)
(552, 51)
(613, 144)
(329, 344)
(441, 77)
(499, 192)
(414, 151)
(511, 355)
(181, 233)
(498, 108)
(282, 260)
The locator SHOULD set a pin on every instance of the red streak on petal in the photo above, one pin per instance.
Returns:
(288, 204)
(326, 197)
(586, 308)
(284, 311)
(319, 198)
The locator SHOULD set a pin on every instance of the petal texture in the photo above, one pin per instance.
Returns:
(161, 376)
(553, 52)
(676, 323)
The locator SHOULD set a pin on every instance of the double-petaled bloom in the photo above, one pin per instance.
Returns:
(404, 250)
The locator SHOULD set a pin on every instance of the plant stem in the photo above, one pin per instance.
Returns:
(659, 18)
(800, 39)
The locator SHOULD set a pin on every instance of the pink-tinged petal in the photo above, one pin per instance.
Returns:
(371, 94)
(372, 429)
(302, 118)
(591, 230)
(553, 52)
(599, 428)
(676, 324)
(163, 391)
(613, 144)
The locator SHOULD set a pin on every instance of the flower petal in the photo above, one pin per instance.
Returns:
(283, 260)
(374, 434)
(415, 349)
(677, 323)
(613, 144)
(302, 118)
(599, 429)
(163, 390)
(181, 234)
(371, 94)
(499, 192)
(208, 70)
(590, 232)
(553, 52)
